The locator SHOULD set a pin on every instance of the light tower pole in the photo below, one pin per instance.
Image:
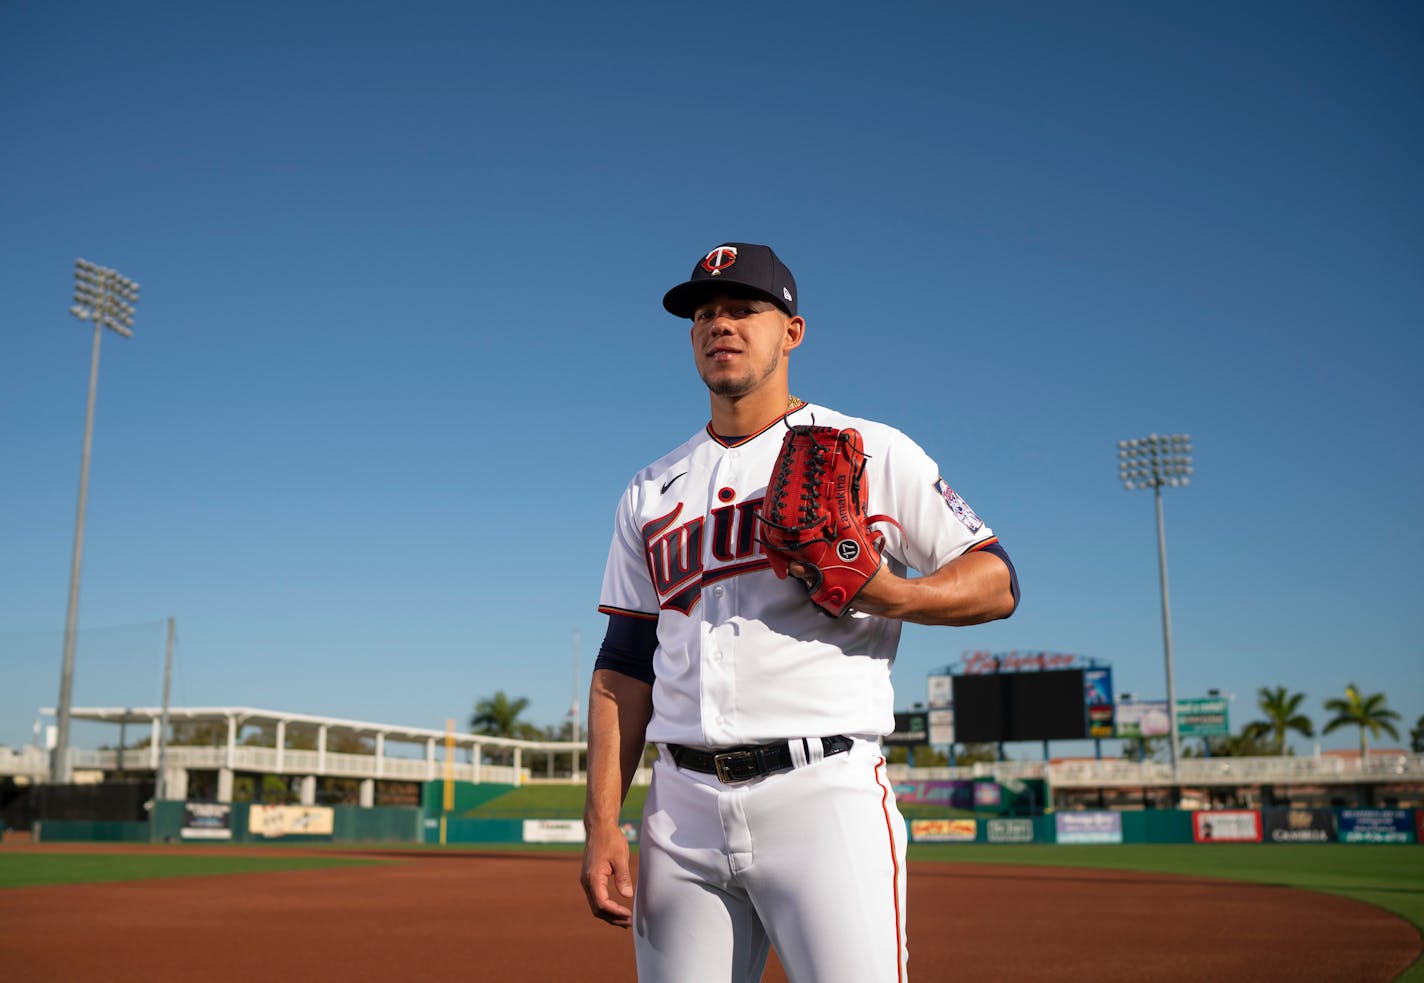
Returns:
(103, 296)
(1151, 462)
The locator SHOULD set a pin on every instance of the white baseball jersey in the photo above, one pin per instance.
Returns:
(742, 656)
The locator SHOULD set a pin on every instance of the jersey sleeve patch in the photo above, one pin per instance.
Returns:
(958, 506)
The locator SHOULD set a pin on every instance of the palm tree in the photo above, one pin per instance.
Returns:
(1282, 715)
(1416, 736)
(498, 716)
(1365, 712)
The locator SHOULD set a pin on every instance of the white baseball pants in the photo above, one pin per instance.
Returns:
(811, 861)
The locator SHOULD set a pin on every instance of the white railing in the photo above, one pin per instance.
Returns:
(33, 763)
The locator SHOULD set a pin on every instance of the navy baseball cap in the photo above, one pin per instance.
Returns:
(735, 264)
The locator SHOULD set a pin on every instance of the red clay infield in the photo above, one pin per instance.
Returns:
(521, 917)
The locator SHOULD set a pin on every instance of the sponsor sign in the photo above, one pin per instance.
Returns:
(941, 691)
(985, 662)
(207, 821)
(910, 728)
(1375, 826)
(942, 725)
(1142, 718)
(1088, 827)
(554, 831)
(1203, 718)
(1010, 830)
(1227, 826)
(943, 830)
(950, 794)
(1098, 695)
(1299, 825)
(272, 821)
(1206, 717)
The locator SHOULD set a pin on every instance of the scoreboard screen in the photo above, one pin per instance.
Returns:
(1019, 706)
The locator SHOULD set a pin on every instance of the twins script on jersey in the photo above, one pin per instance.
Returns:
(730, 633)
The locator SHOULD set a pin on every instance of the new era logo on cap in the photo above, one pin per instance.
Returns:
(748, 265)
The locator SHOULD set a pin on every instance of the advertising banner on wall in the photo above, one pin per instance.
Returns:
(554, 831)
(1227, 826)
(207, 821)
(1088, 827)
(290, 820)
(1375, 826)
(1010, 831)
(1299, 825)
(943, 830)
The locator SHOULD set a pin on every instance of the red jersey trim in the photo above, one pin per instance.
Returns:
(979, 546)
(718, 439)
(609, 609)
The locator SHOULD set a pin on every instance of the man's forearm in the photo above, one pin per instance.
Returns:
(619, 708)
(970, 590)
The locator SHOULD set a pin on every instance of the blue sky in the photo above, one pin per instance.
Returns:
(400, 345)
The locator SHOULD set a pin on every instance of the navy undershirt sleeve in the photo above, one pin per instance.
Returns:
(628, 647)
(1003, 554)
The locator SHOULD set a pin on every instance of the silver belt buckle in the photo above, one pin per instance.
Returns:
(735, 767)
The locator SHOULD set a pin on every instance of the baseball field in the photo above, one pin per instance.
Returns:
(1100, 913)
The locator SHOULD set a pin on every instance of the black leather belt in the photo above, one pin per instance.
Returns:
(742, 764)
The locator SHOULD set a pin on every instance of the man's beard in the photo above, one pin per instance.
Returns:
(733, 388)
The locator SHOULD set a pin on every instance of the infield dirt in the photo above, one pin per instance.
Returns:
(521, 917)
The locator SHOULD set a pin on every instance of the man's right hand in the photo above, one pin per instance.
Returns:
(605, 856)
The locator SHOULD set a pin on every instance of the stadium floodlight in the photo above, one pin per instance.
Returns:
(1153, 462)
(103, 296)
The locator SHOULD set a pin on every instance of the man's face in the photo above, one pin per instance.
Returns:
(739, 342)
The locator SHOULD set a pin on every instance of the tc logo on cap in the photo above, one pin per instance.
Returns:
(719, 259)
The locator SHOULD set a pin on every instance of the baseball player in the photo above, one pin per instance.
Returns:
(770, 821)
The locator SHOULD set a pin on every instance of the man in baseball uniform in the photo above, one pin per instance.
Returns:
(770, 821)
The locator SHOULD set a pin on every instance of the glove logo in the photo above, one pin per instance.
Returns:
(719, 259)
(848, 550)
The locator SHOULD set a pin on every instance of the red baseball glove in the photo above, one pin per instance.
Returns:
(814, 514)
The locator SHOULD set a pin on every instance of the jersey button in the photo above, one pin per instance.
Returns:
(719, 590)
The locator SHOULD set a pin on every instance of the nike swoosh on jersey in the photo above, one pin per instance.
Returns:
(668, 484)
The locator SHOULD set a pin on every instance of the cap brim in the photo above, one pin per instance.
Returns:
(683, 300)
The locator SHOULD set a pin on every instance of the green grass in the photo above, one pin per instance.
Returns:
(37, 869)
(1385, 875)
(549, 802)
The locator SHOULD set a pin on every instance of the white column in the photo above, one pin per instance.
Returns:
(368, 793)
(224, 784)
(518, 756)
(430, 773)
(477, 752)
(153, 746)
(307, 790)
(321, 749)
(380, 755)
(175, 783)
(231, 743)
(281, 746)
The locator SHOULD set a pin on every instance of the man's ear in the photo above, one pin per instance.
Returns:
(795, 333)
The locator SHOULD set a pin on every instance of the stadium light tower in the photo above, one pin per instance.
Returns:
(103, 296)
(1151, 462)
